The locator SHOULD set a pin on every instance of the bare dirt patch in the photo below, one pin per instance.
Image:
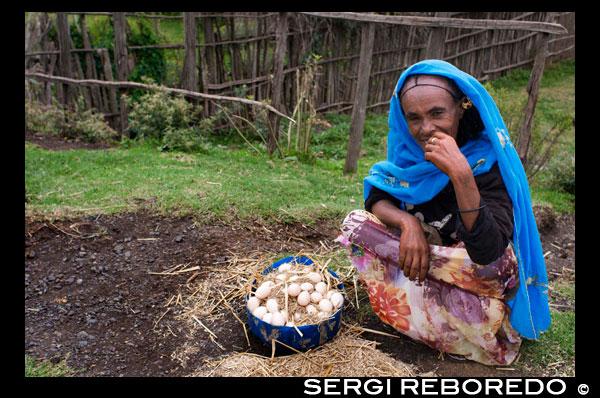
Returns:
(93, 294)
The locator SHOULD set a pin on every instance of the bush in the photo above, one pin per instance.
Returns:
(562, 173)
(170, 122)
(86, 125)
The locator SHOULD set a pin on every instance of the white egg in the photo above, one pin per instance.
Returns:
(329, 293)
(284, 267)
(321, 287)
(268, 317)
(294, 289)
(284, 314)
(315, 277)
(311, 309)
(297, 316)
(307, 286)
(337, 299)
(325, 305)
(272, 305)
(263, 291)
(293, 278)
(253, 303)
(277, 319)
(259, 312)
(323, 315)
(315, 297)
(303, 298)
(290, 324)
(282, 277)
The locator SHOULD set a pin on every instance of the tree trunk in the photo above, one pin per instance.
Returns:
(189, 79)
(64, 58)
(437, 38)
(359, 109)
(90, 66)
(533, 87)
(277, 88)
(120, 24)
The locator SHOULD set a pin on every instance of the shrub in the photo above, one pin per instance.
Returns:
(562, 173)
(170, 122)
(86, 125)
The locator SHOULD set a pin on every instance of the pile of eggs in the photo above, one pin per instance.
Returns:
(295, 295)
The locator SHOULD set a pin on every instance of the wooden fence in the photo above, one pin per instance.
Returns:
(260, 53)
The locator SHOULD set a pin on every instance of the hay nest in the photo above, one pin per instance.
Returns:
(346, 355)
(212, 292)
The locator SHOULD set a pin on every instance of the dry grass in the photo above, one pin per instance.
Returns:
(211, 293)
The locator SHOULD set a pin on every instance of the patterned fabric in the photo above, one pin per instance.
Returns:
(460, 307)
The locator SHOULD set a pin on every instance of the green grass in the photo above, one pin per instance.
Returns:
(221, 183)
(37, 368)
(556, 347)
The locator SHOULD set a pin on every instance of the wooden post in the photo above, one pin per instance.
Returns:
(359, 109)
(189, 79)
(119, 26)
(90, 66)
(277, 88)
(112, 92)
(533, 87)
(64, 58)
(437, 39)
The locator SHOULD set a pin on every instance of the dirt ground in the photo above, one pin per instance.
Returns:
(93, 294)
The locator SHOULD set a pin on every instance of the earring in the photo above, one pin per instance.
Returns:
(466, 103)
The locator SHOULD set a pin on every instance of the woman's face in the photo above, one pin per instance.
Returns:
(429, 109)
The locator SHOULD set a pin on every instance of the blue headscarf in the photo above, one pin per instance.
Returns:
(410, 178)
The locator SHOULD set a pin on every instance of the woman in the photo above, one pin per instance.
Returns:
(448, 247)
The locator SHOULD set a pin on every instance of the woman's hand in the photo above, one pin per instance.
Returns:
(441, 150)
(413, 255)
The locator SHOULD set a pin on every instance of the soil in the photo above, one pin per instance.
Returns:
(92, 294)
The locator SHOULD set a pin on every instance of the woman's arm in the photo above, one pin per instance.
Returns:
(413, 256)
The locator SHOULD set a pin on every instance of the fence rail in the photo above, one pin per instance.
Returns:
(231, 51)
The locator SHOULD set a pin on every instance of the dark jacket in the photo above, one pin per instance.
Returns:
(493, 227)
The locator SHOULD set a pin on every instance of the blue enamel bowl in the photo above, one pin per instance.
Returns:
(312, 335)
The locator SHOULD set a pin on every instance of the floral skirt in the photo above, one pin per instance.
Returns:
(460, 307)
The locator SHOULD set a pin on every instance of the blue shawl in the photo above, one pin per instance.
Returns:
(410, 178)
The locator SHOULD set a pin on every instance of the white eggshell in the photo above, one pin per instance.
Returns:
(290, 323)
(337, 299)
(315, 297)
(303, 298)
(321, 287)
(294, 289)
(277, 319)
(307, 286)
(284, 267)
(329, 293)
(282, 277)
(297, 316)
(315, 277)
(322, 315)
(293, 278)
(325, 305)
(259, 312)
(272, 305)
(311, 309)
(263, 291)
(253, 303)
(268, 317)
(284, 314)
